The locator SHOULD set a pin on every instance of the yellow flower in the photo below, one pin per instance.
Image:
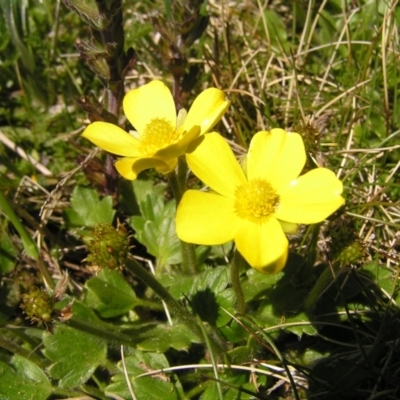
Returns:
(255, 207)
(161, 136)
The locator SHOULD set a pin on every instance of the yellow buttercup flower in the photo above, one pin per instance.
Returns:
(254, 207)
(161, 136)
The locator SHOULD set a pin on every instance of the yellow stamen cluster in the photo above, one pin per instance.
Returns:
(157, 135)
(256, 201)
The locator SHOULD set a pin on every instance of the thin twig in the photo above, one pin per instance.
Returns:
(24, 155)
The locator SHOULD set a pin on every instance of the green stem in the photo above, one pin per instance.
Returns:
(189, 259)
(45, 273)
(237, 263)
(152, 305)
(16, 349)
(113, 33)
(180, 312)
(311, 255)
(325, 280)
(101, 332)
(214, 362)
(177, 182)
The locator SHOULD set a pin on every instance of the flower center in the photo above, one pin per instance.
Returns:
(256, 201)
(158, 134)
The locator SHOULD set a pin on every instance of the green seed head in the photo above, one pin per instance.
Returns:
(309, 131)
(37, 305)
(353, 254)
(108, 246)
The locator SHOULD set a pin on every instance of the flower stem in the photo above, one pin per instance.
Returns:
(237, 263)
(189, 259)
(177, 181)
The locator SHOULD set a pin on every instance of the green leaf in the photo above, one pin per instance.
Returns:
(27, 381)
(4, 35)
(233, 384)
(163, 337)
(8, 252)
(75, 355)
(258, 284)
(110, 294)
(27, 241)
(209, 294)
(216, 279)
(156, 227)
(298, 324)
(234, 332)
(87, 209)
(148, 197)
(160, 386)
(88, 10)
(178, 288)
(384, 279)
(276, 27)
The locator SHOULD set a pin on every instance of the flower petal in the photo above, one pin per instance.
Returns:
(206, 110)
(310, 198)
(130, 168)
(264, 246)
(124, 167)
(213, 162)
(177, 149)
(289, 228)
(113, 139)
(205, 218)
(147, 102)
(277, 156)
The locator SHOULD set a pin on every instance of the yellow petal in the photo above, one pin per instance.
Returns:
(289, 228)
(177, 149)
(148, 102)
(124, 167)
(205, 218)
(206, 110)
(130, 168)
(113, 139)
(213, 163)
(264, 246)
(277, 156)
(310, 198)
(166, 166)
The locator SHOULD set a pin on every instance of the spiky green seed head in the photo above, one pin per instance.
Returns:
(310, 133)
(353, 254)
(108, 246)
(37, 305)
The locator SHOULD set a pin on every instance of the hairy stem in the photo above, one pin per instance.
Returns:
(177, 181)
(237, 263)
